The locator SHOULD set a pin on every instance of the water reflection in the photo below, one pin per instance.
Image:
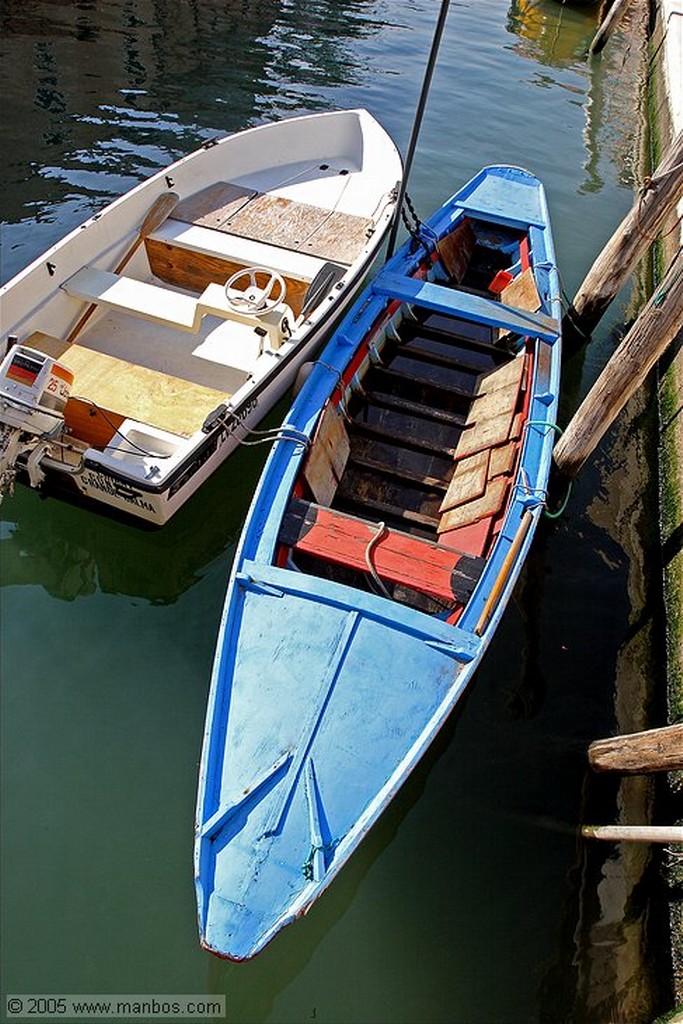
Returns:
(75, 552)
(558, 36)
(550, 33)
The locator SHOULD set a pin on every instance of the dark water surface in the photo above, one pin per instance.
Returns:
(473, 900)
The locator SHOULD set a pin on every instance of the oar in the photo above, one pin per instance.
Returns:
(160, 209)
(505, 570)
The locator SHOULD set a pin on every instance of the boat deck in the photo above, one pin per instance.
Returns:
(143, 371)
(154, 352)
(327, 234)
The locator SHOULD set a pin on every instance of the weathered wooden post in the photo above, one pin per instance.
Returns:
(660, 322)
(635, 234)
(654, 750)
(609, 23)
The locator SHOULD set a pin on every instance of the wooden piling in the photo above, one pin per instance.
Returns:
(655, 750)
(635, 833)
(609, 23)
(660, 322)
(630, 241)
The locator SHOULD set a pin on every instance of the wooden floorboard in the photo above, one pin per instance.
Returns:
(370, 429)
(415, 380)
(427, 412)
(393, 511)
(454, 360)
(478, 337)
(260, 216)
(367, 462)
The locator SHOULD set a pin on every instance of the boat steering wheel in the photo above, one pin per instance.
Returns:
(254, 299)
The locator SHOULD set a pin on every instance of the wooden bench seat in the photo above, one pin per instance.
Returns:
(192, 256)
(207, 241)
(166, 307)
(278, 221)
(481, 310)
(138, 297)
(123, 390)
(413, 562)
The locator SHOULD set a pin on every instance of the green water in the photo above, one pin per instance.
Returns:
(473, 900)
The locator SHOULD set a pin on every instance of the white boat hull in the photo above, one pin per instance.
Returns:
(156, 506)
(169, 371)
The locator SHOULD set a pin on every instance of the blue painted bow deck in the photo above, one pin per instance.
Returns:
(324, 697)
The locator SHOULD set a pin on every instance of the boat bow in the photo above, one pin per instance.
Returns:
(352, 688)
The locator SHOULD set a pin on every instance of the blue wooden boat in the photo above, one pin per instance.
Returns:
(385, 538)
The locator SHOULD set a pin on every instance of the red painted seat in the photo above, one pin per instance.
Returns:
(422, 565)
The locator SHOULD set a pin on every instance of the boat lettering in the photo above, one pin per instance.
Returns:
(241, 414)
(202, 456)
(108, 485)
(60, 387)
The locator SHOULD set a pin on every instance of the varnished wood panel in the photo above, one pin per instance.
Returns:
(329, 235)
(503, 459)
(91, 424)
(468, 481)
(139, 393)
(455, 251)
(502, 376)
(494, 403)
(328, 457)
(340, 238)
(213, 205)
(51, 346)
(276, 221)
(193, 270)
(485, 434)
(522, 292)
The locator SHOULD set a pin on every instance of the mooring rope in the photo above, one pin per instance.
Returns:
(381, 530)
(544, 499)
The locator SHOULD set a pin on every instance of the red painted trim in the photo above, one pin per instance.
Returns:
(472, 538)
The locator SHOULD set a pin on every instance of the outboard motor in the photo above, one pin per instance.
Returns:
(34, 389)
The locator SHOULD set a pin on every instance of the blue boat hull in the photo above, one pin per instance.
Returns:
(345, 642)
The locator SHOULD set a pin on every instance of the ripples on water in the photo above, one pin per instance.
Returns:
(466, 902)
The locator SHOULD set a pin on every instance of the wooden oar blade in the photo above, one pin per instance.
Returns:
(159, 211)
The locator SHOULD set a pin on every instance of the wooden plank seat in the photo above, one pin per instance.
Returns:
(163, 306)
(116, 389)
(130, 296)
(419, 564)
(476, 307)
(314, 230)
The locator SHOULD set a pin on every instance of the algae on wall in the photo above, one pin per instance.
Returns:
(662, 118)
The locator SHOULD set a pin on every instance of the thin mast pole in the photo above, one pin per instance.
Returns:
(422, 102)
